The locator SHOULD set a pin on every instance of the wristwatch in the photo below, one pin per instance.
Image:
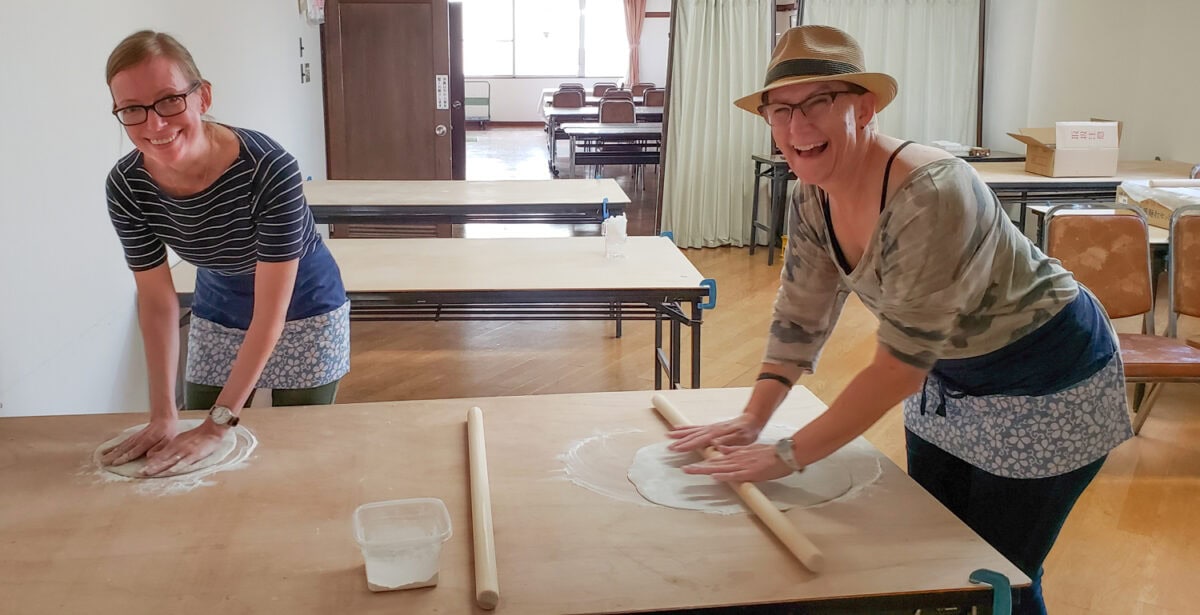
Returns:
(221, 415)
(783, 450)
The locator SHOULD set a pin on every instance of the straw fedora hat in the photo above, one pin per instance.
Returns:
(808, 54)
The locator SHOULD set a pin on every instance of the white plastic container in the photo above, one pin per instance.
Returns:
(401, 542)
(615, 236)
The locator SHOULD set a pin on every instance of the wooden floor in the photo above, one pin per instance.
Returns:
(1131, 546)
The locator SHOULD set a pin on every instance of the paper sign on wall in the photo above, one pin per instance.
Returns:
(442, 86)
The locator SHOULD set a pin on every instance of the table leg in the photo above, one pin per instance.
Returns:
(658, 341)
(553, 121)
(754, 207)
(676, 352)
(1040, 232)
(778, 195)
(1021, 211)
(571, 166)
(697, 315)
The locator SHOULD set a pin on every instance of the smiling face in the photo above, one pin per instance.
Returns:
(169, 141)
(823, 139)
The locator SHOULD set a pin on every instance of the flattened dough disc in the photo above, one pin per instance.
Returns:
(657, 474)
(133, 468)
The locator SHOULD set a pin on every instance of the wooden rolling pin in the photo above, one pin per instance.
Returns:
(487, 585)
(1175, 183)
(797, 543)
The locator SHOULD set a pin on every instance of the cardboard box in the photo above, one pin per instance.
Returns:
(1158, 203)
(1072, 149)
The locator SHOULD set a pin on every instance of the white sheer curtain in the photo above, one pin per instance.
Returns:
(931, 47)
(721, 52)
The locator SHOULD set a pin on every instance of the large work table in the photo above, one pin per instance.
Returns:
(391, 202)
(275, 536)
(567, 278)
(1014, 186)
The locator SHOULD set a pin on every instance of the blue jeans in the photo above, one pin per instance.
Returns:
(1020, 518)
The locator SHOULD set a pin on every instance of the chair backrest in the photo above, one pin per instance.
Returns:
(567, 98)
(617, 112)
(614, 93)
(1183, 264)
(1108, 251)
(654, 97)
(570, 85)
(640, 88)
(600, 88)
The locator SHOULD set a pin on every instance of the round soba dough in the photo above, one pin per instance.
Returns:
(658, 475)
(133, 469)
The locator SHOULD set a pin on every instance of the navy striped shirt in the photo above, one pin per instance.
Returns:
(254, 212)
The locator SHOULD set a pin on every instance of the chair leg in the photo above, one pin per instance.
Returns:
(1142, 410)
(754, 212)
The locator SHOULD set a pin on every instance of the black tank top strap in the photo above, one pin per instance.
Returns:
(887, 171)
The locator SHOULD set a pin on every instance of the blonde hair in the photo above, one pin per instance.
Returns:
(140, 46)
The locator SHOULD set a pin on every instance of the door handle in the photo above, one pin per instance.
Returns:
(440, 130)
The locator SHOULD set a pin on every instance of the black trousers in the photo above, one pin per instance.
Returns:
(1020, 518)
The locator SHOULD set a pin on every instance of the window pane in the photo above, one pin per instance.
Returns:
(606, 46)
(487, 38)
(547, 37)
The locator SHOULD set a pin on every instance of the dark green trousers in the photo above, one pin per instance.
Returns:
(203, 396)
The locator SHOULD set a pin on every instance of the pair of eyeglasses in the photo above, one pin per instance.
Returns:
(166, 106)
(812, 108)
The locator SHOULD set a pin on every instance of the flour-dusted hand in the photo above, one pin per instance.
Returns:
(742, 464)
(742, 429)
(155, 436)
(187, 448)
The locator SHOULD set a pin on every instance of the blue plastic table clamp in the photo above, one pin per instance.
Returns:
(712, 294)
(1001, 589)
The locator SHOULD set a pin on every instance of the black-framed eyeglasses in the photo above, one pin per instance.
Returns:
(812, 108)
(166, 106)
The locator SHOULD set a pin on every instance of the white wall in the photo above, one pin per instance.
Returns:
(68, 331)
(518, 100)
(1009, 56)
(654, 46)
(1076, 59)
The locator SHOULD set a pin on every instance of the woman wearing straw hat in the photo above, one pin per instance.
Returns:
(1012, 387)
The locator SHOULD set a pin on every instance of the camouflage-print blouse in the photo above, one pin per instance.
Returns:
(946, 272)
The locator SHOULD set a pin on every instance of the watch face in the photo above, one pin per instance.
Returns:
(221, 415)
(783, 450)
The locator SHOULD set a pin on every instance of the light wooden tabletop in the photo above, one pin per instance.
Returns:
(401, 193)
(275, 536)
(561, 263)
(582, 129)
(1014, 173)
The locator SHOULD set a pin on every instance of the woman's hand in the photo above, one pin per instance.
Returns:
(743, 464)
(187, 448)
(742, 429)
(153, 437)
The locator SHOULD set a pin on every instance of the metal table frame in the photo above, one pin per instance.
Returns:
(776, 169)
(555, 117)
(467, 213)
(678, 307)
(647, 135)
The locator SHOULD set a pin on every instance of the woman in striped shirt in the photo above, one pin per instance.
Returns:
(269, 308)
